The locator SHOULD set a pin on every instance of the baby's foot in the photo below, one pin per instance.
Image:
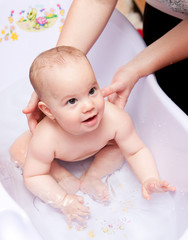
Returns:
(95, 188)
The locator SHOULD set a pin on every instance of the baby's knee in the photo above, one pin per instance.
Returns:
(19, 148)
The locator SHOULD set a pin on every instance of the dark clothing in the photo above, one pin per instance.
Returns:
(172, 79)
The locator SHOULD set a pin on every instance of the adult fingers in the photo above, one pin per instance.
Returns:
(32, 104)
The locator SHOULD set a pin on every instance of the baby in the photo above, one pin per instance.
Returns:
(78, 124)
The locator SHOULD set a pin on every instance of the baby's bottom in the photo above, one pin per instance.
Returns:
(65, 179)
(106, 161)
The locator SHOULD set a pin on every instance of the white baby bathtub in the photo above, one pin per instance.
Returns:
(160, 123)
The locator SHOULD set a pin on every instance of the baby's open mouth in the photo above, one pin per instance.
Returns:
(90, 119)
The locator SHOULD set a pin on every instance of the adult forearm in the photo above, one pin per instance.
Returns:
(84, 23)
(170, 48)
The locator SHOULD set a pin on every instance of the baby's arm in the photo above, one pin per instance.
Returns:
(38, 180)
(139, 158)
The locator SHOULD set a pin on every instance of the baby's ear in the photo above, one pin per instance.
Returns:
(45, 109)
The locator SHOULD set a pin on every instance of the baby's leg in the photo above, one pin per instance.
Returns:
(65, 179)
(18, 150)
(106, 162)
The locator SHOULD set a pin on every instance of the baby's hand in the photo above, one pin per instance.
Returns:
(155, 186)
(73, 208)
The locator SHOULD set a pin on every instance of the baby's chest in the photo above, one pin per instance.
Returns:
(79, 149)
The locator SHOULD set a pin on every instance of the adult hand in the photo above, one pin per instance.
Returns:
(33, 113)
(122, 83)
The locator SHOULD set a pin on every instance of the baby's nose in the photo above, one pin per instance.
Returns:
(88, 106)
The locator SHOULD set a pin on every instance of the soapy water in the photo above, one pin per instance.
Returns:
(127, 216)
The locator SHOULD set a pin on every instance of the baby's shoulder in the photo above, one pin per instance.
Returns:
(117, 116)
(46, 131)
(43, 142)
(115, 112)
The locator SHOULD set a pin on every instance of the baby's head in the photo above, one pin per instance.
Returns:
(48, 62)
(65, 82)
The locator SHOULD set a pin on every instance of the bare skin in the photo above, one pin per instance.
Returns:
(91, 181)
(64, 178)
(79, 123)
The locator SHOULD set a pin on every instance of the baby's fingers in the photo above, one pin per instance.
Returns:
(165, 187)
(69, 220)
(83, 210)
(82, 217)
(145, 193)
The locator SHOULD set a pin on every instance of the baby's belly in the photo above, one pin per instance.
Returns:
(75, 156)
(77, 152)
(84, 156)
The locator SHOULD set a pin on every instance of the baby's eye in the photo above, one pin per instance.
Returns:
(92, 91)
(72, 101)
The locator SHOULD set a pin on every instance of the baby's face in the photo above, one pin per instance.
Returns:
(76, 103)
